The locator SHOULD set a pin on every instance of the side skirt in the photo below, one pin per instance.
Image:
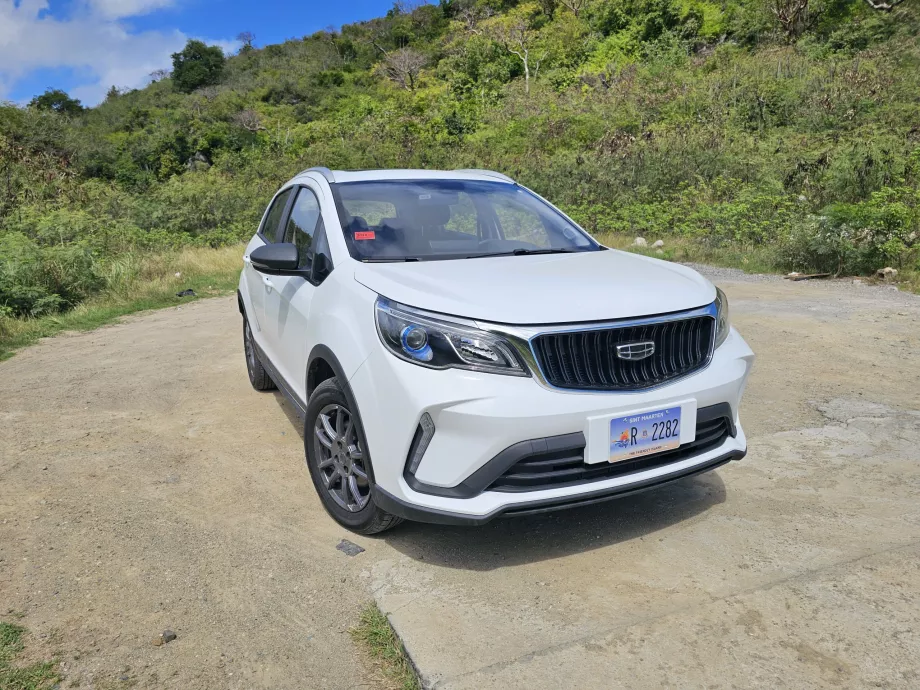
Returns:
(280, 382)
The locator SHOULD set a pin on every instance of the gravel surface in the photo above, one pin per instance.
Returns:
(145, 487)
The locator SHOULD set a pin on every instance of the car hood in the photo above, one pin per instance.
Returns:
(541, 289)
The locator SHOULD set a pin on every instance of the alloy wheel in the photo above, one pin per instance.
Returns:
(340, 458)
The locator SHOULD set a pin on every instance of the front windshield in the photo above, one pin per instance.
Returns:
(426, 220)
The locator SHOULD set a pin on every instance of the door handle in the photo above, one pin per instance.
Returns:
(268, 283)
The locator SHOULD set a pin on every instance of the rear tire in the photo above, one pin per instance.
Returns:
(339, 461)
(258, 377)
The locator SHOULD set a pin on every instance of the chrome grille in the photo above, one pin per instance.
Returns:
(587, 360)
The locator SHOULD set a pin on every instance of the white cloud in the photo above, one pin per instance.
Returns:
(116, 9)
(92, 42)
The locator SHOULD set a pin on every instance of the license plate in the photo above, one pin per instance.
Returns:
(644, 434)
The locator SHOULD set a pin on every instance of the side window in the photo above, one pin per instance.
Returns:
(302, 224)
(269, 229)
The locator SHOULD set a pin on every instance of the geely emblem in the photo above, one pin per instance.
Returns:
(636, 351)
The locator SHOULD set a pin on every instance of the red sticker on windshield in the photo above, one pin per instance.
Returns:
(364, 235)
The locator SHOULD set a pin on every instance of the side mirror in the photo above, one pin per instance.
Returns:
(275, 259)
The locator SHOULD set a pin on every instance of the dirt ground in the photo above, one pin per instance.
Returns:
(144, 486)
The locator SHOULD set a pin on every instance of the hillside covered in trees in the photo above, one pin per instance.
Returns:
(790, 128)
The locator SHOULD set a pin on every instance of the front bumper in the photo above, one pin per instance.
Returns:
(477, 416)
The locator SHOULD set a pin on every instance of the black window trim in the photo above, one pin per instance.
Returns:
(306, 274)
(279, 232)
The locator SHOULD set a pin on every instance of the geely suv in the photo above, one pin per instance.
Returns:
(459, 349)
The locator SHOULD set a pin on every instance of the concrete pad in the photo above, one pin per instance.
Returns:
(791, 568)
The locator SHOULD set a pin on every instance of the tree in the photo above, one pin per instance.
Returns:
(403, 67)
(792, 15)
(58, 101)
(516, 33)
(197, 65)
(246, 38)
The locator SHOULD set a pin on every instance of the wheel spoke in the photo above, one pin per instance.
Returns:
(325, 463)
(340, 422)
(327, 426)
(359, 472)
(355, 453)
(345, 491)
(330, 479)
(323, 438)
(360, 501)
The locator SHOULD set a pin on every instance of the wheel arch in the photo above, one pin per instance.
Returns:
(320, 363)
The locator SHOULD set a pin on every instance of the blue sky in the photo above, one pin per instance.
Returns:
(86, 46)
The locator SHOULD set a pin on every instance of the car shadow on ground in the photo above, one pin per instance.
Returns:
(528, 539)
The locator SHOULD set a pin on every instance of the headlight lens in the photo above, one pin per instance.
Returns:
(439, 343)
(723, 324)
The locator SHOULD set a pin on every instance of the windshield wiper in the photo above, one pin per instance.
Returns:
(521, 251)
(390, 260)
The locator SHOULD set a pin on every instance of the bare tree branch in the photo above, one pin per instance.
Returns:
(403, 67)
(517, 37)
(246, 38)
(884, 6)
(792, 16)
(249, 120)
(575, 5)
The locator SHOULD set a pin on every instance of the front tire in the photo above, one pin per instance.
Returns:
(339, 461)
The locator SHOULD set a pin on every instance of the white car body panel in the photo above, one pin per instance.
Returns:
(478, 415)
(554, 288)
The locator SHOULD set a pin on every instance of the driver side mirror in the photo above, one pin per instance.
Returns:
(276, 259)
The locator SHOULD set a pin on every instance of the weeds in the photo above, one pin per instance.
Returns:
(37, 676)
(375, 634)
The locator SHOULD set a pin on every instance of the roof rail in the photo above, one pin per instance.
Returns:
(487, 173)
(325, 172)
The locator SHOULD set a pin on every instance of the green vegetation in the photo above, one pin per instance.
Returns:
(783, 130)
(134, 282)
(17, 677)
(375, 634)
(197, 65)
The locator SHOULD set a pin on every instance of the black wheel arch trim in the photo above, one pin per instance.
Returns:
(410, 511)
(323, 352)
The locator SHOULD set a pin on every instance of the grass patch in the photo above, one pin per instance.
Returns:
(376, 635)
(37, 676)
(135, 283)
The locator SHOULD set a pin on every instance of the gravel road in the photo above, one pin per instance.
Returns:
(144, 486)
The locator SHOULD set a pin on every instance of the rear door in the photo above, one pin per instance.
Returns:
(258, 284)
(287, 307)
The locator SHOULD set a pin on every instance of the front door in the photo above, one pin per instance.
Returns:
(287, 307)
(258, 284)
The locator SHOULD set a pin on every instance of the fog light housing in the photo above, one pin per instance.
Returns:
(423, 435)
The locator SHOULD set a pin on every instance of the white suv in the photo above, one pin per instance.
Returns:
(460, 349)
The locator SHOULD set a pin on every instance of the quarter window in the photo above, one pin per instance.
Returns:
(302, 224)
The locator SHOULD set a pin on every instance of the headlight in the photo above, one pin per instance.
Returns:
(440, 343)
(723, 324)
